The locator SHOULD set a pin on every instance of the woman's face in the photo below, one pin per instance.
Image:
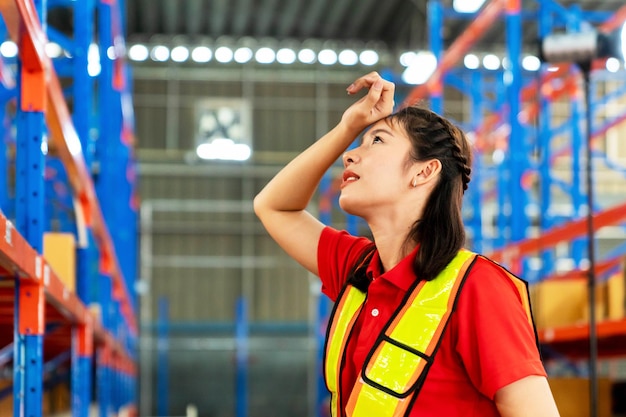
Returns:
(377, 174)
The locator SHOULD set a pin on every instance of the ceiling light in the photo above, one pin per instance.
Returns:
(53, 50)
(286, 56)
(491, 62)
(180, 53)
(223, 54)
(471, 61)
(467, 6)
(111, 53)
(327, 57)
(368, 57)
(531, 63)
(613, 64)
(407, 58)
(8, 49)
(138, 52)
(160, 53)
(201, 54)
(265, 55)
(94, 68)
(348, 57)
(420, 70)
(223, 149)
(93, 59)
(306, 56)
(243, 55)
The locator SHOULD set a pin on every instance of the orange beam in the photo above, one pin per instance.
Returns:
(479, 26)
(18, 257)
(605, 329)
(567, 232)
(600, 269)
(21, 19)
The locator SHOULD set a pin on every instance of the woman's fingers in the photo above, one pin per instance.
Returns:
(375, 92)
(376, 104)
(367, 81)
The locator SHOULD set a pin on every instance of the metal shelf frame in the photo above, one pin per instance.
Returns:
(49, 325)
(511, 130)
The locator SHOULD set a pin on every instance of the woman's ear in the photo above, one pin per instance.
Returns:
(429, 170)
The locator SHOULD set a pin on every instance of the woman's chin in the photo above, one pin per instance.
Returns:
(349, 205)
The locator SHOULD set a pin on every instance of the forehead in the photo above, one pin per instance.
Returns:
(387, 126)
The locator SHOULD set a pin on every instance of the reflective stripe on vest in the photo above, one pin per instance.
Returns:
(399, 360)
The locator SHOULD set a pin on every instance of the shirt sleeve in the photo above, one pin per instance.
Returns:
(337, 251)
(494, 338)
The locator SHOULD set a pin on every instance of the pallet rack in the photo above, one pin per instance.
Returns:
(510, 130)
(43, 324)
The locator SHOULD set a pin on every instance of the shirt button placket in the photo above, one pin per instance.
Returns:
(375, 312)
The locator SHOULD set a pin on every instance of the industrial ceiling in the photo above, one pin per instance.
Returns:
(396, 24)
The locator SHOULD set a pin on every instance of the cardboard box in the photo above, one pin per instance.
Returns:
(6, 403)
(558, 303)
(572, 396)
(616, 289)
(59, 250)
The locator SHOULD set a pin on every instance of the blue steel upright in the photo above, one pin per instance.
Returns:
(162, 364)
(7, 92)
(83, 87)
(104, 372)
(476, 83)
(4, 166)
(546, 221)
(29, 299)
(578, 143)
(242, 355)
(435, 27)
(518, 151)
(322, 397)
(112, 184)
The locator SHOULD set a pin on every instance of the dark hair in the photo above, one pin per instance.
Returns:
(440, 231)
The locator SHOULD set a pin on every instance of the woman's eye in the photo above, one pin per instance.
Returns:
(377, 139)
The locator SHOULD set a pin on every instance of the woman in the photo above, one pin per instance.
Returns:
(421, 327)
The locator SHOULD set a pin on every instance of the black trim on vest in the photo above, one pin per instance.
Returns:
(385, 338)
(532, 317)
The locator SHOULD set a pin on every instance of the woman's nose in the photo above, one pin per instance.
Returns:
(349, 158)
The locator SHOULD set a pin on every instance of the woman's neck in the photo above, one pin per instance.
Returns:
(392, 247)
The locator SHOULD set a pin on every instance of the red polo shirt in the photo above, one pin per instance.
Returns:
(488, 343)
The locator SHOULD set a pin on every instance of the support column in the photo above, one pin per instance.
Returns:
(435, 26)
(105, 355)
(544, 136)
(29, 295)
(517, 148)
(28, 349)
(82, 358)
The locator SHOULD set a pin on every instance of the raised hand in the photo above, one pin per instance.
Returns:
(377, 104)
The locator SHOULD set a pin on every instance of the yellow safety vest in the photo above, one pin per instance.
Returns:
(397, 365)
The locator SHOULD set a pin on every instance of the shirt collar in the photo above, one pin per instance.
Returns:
(401, 275)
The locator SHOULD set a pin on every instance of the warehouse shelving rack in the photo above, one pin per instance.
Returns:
(510, 127)
(43, 324)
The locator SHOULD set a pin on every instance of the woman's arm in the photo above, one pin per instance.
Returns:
(527, 397)
(281, 204)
